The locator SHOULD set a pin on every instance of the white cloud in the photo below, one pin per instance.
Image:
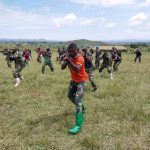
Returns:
(87, 22)
(105, 3)
(135, 34)
(19, 18)
(111, 25)
(68, 19)
(137, 19)
(146, 3)
(18, 23)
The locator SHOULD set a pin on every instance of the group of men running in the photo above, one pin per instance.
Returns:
(80, 64)
(81, 69)
(108, 59)
(20, 59)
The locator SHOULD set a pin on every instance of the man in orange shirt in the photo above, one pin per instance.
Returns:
(75, 62)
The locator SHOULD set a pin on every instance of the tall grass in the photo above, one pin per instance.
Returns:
(37, 114)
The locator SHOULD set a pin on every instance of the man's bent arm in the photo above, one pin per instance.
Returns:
(64, 65)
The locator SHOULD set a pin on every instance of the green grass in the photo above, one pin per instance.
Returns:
(37, 114)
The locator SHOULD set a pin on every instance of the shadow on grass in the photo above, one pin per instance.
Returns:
(48, 121)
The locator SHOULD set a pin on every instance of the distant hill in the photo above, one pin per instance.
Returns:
(81, 42)
(85, 43)
(127, 42)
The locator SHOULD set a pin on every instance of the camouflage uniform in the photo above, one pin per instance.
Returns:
(107, 63)
(91, 51)
(19, 64)
(58, 56)
(47, 61)
(117, 60)
(75, 94)
(89, 68)
(62, 54)
(97, 58)
(9, 56)
(138, 55)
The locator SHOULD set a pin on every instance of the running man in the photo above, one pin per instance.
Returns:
(138, 55)
(47, 60)
(89, 67)
(117, 60)
(97, 58)
(107, 63)
(19, 65)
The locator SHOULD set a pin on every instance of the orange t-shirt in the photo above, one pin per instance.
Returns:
(81, 75)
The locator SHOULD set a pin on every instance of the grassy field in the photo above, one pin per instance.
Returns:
(37, 114)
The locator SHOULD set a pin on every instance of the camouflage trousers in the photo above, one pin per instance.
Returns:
(17, 71)
(39, 59)
(50, 66)
(8, 62)
(103, 66)
(97, 62)
(89, 71)
(26, 61)
(75, 94)
(115, 65)
(137, 57)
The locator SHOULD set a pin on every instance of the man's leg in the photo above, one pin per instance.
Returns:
(51, 66)
(109, 69)
(79, 108)
(136, 58)
(116, 65)
(91, 78)
(16, 75)
(39, 59)
(43, 67)
(101, 69)
(72, 91)
(139, 59)
(8, 62)
(97, 63)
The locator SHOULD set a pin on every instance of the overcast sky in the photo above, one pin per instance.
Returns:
(75, 19)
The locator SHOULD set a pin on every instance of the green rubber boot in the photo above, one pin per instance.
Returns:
(79, 121)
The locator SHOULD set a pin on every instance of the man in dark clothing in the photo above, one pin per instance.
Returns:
(62, 55)
(91, 51)
(9, 56)
(97, 58)
(47, 60)
(58, 55)
(19, 65)
(89, 67)
(115, 50)
(138, 54)
(107, 63)
(117, 60)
